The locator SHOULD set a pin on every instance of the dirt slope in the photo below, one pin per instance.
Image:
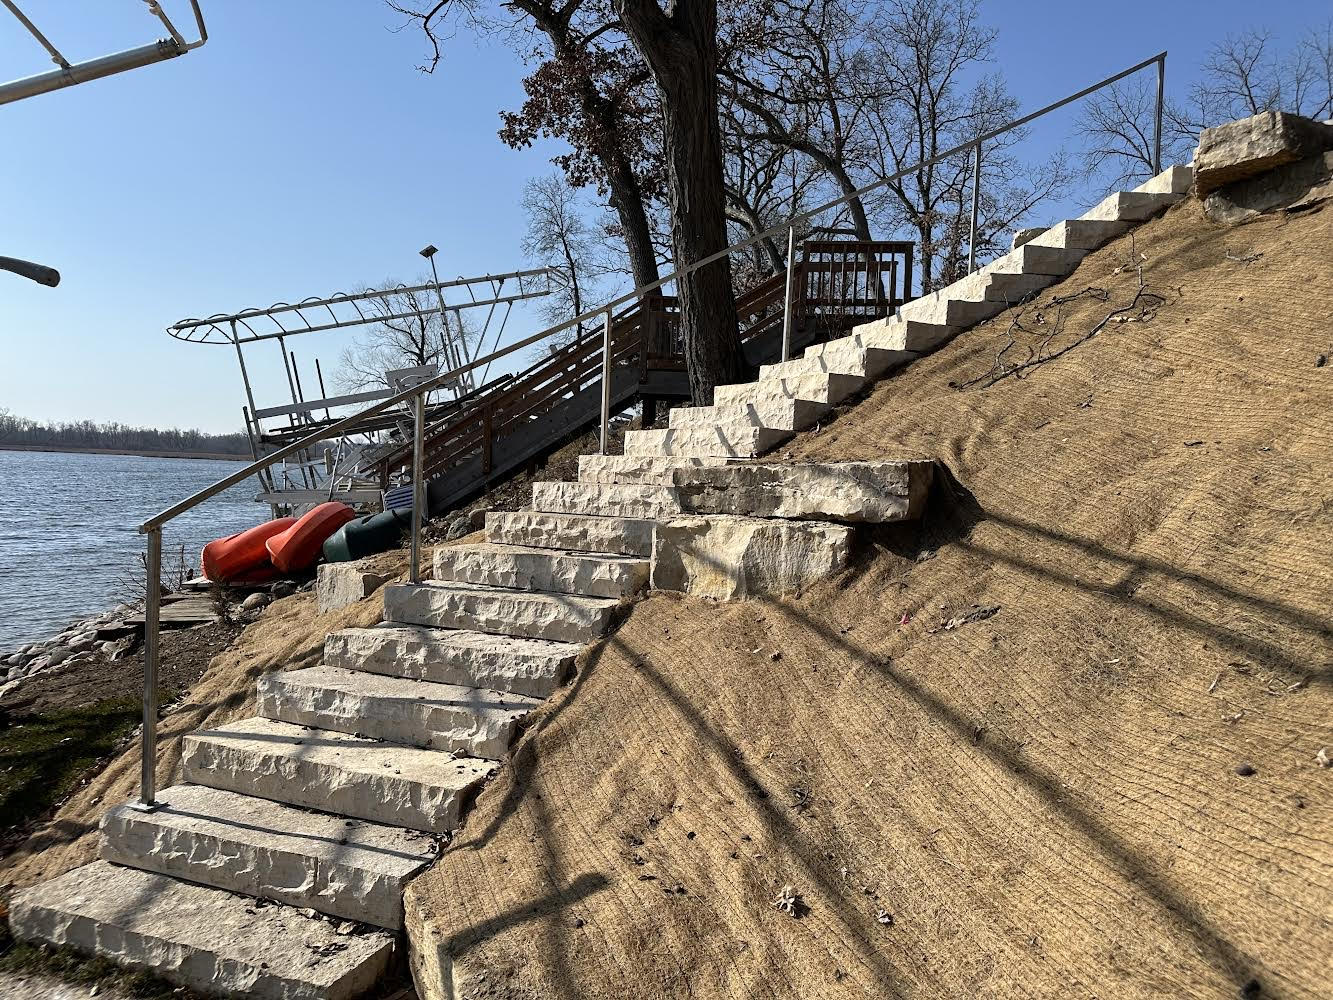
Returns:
(1106, 788)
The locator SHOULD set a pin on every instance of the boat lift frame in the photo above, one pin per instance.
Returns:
(69, 74)
(348, 310)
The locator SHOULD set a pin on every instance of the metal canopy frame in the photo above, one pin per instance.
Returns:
(70, 74)
(349, 310)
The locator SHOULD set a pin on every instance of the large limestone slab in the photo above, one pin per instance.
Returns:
(735, 557)
(340, 584)
(561, 617)
(550, 570)
(534, 667)
(463, 720)
(841, 359)
(823, 387)
(346, 868)
(782, 414)
(214, 942)
(1252, 146)
(631, 536)
(1033, 258)
(895, 334)
(840, 491)
(644, 470)
(322, 769)
(938, 308)
(605, 499)
(732, 439)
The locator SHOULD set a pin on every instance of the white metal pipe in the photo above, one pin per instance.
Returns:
(93, 69)
(1157, 126)
(976, 196)
(152, 611)
(418, 483)
(786, 302)
(606, 383)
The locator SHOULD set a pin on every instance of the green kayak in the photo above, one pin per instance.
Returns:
(365, 536)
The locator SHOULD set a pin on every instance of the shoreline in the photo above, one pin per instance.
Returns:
(134, 453)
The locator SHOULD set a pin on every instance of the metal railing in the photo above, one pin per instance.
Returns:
(416, 395)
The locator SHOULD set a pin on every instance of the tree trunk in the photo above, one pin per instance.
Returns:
(681, 52)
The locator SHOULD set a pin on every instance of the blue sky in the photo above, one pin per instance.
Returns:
(300, 152)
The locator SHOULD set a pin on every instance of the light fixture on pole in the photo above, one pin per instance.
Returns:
(451, 353)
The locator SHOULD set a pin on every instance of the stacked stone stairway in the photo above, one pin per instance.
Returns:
(276, 868)
(332, 797)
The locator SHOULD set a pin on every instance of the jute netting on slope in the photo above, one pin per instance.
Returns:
(1059, 740)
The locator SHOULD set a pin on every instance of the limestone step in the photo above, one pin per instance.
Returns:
(560, 617)
(1036, 259)
(462, 720)
(1081, 234)
(643, 469)
(343, 867)
(323, 769)
(216, 943)
(875, 492)
(820, 388)
(1131, 206)
(938, 308)
(1176, 180)
(606, 499)
(524, 567)
(534, 667)
(631, 536)
(782, 414)
(843, 359)
(894, 333)
(731, 439)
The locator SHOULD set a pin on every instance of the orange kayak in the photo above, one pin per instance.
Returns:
(225, 560)
(299, 546)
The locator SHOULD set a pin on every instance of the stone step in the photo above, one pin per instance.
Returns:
(631, 536)
(343, 867)
(523, 567)
(1176, 180)
(938, 308)
(462, 720)
(874, 492)
(782, 414)
(1081, 234)
(216, 943)
(844, 359)
(894, 333)
(733, 439)
(646, 470)
(605, 499)
(1036, 259)
(323, 769)
(534, 667)
(1131, 206)
(560, 617)
(820, 388)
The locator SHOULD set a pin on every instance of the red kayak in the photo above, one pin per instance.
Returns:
(225, 560)
(299, 546)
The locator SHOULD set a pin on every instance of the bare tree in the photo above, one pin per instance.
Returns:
(927, 50)
(680, 47)
(560, 238)
(1241, 76)
(409, 333)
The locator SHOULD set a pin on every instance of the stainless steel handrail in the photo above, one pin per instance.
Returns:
(153, 526)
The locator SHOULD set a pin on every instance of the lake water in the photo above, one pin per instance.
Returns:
(69, 530)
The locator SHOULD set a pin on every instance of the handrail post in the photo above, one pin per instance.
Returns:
(786, 301)
(976, 194)
(606, 382)
(1157, 129)
(152, 608)
(418, 483)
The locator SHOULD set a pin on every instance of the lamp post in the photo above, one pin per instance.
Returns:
(451, 354)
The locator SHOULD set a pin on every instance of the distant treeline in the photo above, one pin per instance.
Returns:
(116, 437)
